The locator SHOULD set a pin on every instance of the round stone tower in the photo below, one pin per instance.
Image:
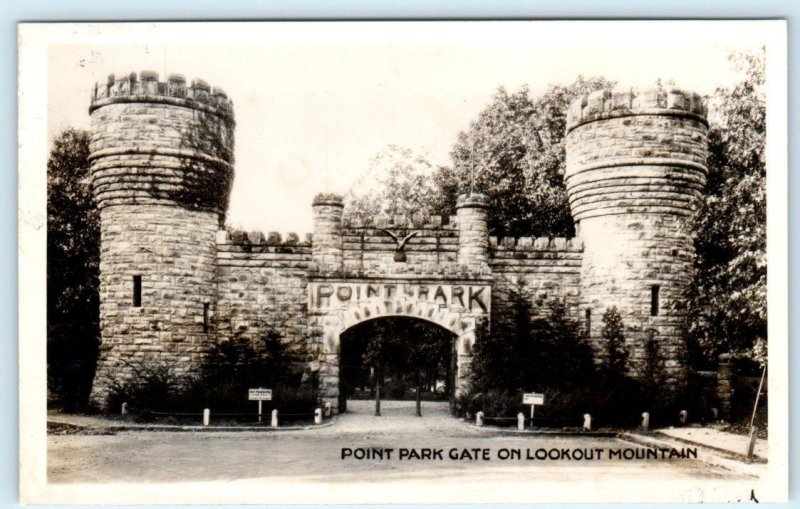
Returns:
(473, 231)
(636, 166)
(162, 169)
(326, 247)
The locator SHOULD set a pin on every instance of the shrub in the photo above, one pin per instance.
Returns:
(153, 387)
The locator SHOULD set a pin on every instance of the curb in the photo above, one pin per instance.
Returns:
(710, 455)
(723, 452)
(563, 433)
(178, 428)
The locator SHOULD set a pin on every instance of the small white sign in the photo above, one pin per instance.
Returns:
(260, 394)
(533, 398)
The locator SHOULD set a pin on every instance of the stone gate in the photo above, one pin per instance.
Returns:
(174, 281)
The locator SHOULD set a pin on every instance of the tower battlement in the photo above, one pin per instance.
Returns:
(620, 102)
(161, 143)
(146, 87)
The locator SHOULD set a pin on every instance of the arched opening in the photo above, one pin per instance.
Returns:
(397, 358)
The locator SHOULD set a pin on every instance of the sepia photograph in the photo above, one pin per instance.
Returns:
(403, 262)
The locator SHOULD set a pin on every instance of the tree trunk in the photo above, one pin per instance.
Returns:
(377, 392)
(419, 393)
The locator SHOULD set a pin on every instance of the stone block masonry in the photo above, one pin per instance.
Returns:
(636, 165)
(174, 282)
(162, 168)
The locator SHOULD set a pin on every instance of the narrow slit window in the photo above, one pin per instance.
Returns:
(588, 324)
(654, 300)
(137, 291)
(205, 317)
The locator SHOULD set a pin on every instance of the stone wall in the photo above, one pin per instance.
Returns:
(635, 170)
(545, 269)
(261, 287)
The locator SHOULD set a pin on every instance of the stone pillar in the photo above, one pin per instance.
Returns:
(725, 385)
(473, 231)
(636, 166)
(326, 246)
(162, 169)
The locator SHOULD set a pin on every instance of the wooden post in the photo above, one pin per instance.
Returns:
(587, 422)
(206, 416)
(274, 422)
(259, 411)
(318, 416)
(520, 421)
(646, 421)
(683, 418)
(124, 410)
(479, 419)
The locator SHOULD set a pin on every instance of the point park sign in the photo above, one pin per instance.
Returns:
(472, 297)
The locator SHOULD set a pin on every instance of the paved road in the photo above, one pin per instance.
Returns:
(316, 455)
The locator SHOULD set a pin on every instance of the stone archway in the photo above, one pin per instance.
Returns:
(335, 306)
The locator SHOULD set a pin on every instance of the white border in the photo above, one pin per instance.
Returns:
(33, 45)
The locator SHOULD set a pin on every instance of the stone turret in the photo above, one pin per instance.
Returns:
(327, 245)
(162, 169)
(636, 166)
(473, 231)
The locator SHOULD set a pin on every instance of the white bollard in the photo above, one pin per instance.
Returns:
(479, 419)
(274, 422)
(684, 417)
(328, 409)
(587, 422)
(318, 416)
(206, 416)
(124, 409)
(520, 421)
(646, 421)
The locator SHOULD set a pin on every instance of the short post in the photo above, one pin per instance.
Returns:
(479, 419)
(752, 446)
(274, 422)
(520, 421)
(206, 416)
(587, 422)
(124, 410)
(683, 417)
(328, 409)
(318, 416)
(259, 411)
(645, 421)
(714, 414)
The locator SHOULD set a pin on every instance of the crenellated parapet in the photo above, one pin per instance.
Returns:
(258, 239)
(532, 244)
(146, 87)
(622, 102)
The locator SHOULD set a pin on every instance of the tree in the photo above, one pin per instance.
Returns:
(398, 182)
(728, 301)
(73, 250)
(515, 153)
(616, 354)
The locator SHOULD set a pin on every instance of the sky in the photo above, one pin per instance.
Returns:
(314, 103)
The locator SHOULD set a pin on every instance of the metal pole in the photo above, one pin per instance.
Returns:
(753, 430)
(472, 165)
(259, 411)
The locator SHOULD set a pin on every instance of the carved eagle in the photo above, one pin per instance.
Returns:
(401, 243)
